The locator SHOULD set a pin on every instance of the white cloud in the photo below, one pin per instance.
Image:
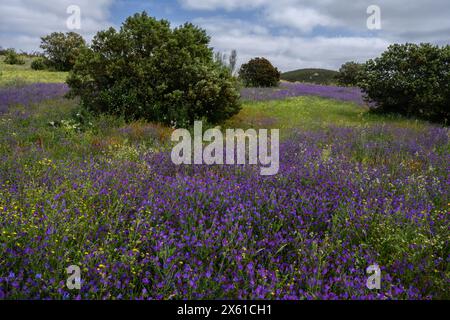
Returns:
(292, 33)
(287, 13)
(300, 18)
(222, 4)
(293, 36)
(289, 52)
(402, 20)
(23, 22)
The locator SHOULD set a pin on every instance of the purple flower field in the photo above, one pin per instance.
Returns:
(37, 92)
(140, 227)
(30, 94)
(288, 90)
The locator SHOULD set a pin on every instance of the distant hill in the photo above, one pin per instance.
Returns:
(319, 76)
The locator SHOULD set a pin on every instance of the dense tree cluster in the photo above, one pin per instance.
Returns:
(149, 70)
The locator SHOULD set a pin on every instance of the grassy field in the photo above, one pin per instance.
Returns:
(354, 190)
(13, 75)
(311, 113)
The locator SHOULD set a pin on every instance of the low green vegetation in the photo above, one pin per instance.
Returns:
(13, 58)
(317, 76)
(63, 131)
(308, 113)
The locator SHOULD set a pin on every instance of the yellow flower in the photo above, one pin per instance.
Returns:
(101, 266)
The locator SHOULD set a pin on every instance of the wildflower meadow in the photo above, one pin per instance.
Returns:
(105, 196)
(93, 206)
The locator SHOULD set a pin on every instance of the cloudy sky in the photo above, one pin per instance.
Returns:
(291, 33)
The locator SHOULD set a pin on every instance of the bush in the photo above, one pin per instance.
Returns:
(148, 70)
(411, 80)
(62, 50)
(39, 64)
(259, 72)
(12, 57)
(350, 73)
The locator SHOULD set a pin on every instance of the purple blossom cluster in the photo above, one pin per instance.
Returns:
(30, 94)
(148, 229)
(140, 227)
(288, 90)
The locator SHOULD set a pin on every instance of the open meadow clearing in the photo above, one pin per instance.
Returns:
(224, 159)
(354, 189)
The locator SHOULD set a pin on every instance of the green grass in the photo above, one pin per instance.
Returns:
(319, 76)
(108, 135)
(11, 75)
(310, 113)
(56, 128)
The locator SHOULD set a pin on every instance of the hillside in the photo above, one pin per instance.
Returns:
(319, 76)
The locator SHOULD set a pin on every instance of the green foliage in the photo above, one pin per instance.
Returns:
(148, 70)
(317, 76)
(39, 64)
(13, 58)
(350, 73)
(259, 72)
(411, 80)
(62, 50)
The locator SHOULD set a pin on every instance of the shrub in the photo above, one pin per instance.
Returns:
(259, 72)
(12, 57)
(411, 80)
(62, 50)
(350, 73)
(148, 70)
(39, 64)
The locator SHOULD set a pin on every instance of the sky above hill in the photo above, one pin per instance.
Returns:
(291, 33)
